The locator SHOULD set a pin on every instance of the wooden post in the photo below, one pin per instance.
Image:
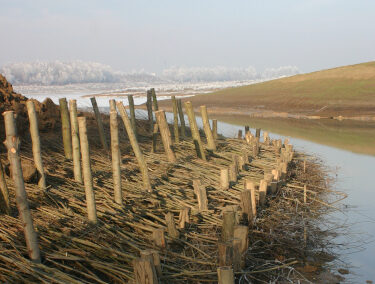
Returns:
(155, 138)
(224, 179)
(65, 126)
(144, 271)
(304, 194)
(116, 154)
(237, 255)
(239, 136)
(182, 118)
(87, 176)
(255, 150)
(137, 151)
(171, 226)
(247, 129)
(225, 253)
(195, 131)
(132, 113)
(35, 138)
(249, 185)
(75, 141)
(246, 205)
(149, 111)
(262, 192)
(233, 173)
(99, 121)
(4, 194)
(242, 233)
(225, 275)
(159, 238)
(200, 192)
(184, 218)
(165, 135)
(207, 130)
(214, 128)
(154, 99)
(12, 143)
(175, 120)
(157, 263)
(229, 221)
(257, 133)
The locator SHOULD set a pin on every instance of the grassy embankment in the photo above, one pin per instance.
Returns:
(348, 91)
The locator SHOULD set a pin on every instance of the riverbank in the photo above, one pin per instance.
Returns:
(75, 251)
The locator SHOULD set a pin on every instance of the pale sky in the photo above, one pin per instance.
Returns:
(153, 35)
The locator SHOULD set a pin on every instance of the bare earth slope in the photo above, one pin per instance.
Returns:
(347, 91)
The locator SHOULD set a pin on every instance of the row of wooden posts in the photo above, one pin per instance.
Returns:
(74, 134)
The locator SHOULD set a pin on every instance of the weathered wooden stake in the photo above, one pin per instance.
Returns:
(207, 129)
(149, 111)
(35, 138)
(233, 173)
(257, 132)
(155, 134)
(154, 99)
(12, 143)
(132, 113)
(175, 120)
(157, 263)
(165, 135)
(159, 238)
(171, 226)
(237, 255)
(225, 275)
(4, 194)
(246, 205)
(224, 179)
(137, 151)
(200, 192)
(144, 271)
(75, 141)
(65, 127)
(262, 192)
(99, 122)
(87, 175)
(242, 233)
(214, 128)
(249, 185)
(184, 218)
(116, 154)
(304, 194)
(247, 129)
(239, 135)
(225, 253)
(229, 221)
(182, 118)
(195, 131)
